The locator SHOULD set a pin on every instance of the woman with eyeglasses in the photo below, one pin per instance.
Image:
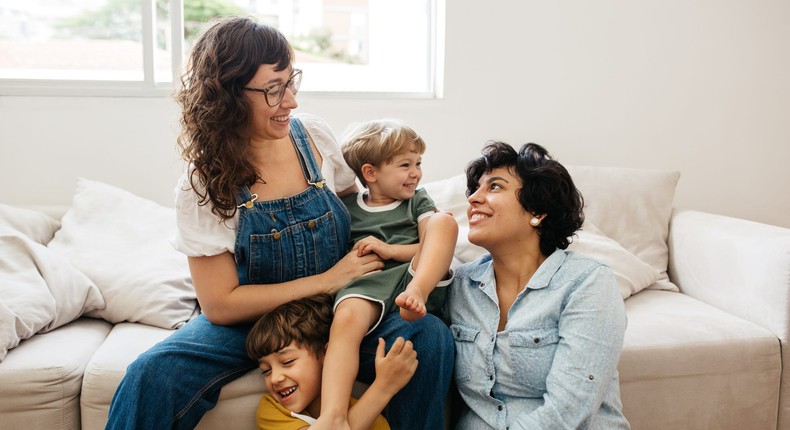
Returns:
(537, 329)
(260, 220)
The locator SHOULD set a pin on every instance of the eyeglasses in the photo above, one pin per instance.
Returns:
(275, 93)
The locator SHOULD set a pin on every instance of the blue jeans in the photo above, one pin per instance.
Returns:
(420, 404)
(174, 383)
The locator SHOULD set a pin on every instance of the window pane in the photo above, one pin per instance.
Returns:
(342, 45)
(71, 39)
(354, 45)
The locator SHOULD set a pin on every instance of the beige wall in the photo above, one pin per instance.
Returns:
(698, 86)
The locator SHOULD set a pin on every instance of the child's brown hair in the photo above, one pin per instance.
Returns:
(305, 322)
(376, 142)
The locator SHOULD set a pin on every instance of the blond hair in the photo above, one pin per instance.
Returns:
(378, 141)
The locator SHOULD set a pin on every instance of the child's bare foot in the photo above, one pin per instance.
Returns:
(411, 304)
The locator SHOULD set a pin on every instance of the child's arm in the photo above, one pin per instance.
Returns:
(393, 372)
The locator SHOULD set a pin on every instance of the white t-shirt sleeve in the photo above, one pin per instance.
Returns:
(334, 169)
(200, 232)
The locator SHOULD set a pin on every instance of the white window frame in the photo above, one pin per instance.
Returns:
(148, 87)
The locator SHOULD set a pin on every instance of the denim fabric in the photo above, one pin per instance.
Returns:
(293, 237)
(420, 404)
(554, 366)
(175, 382)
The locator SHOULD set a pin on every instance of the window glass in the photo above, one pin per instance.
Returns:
(342, 45)
(71, 39)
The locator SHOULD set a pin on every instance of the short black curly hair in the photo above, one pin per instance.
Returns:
(546, 189)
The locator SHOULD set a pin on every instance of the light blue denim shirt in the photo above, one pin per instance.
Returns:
(554, 366)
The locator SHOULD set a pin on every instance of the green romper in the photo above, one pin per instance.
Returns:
(394, 224)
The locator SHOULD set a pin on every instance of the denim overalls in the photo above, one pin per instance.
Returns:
(293, 237)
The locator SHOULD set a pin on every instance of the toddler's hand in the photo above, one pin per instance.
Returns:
(371, 245)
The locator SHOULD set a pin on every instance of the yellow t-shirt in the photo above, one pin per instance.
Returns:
(271, 415)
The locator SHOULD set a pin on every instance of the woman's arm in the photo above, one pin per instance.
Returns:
(591, 331)
(225, 302)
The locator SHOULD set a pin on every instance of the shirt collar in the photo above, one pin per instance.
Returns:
(484, 272)
(547, 269)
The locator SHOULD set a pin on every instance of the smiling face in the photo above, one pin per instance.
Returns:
(496, 217)
(396, 179)
(293, 377)
(267, 122)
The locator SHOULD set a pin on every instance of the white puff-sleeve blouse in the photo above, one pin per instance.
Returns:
(200, 232)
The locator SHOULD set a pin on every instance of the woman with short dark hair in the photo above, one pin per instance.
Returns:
(538, 330)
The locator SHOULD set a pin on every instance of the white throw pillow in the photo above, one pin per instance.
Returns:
(450, 195)
(121, 241)
(39, 289)
(633, 207)
(38, 226)
(632, 274)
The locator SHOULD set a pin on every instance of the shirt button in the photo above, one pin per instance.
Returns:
(590, 377)
(499, 407)
(490, 377)
(536, 340)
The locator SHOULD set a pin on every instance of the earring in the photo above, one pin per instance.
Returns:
(534, 221)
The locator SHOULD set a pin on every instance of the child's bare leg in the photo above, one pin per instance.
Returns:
(353, 317)
(430, 264)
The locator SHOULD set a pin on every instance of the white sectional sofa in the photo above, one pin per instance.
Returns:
(706, 298)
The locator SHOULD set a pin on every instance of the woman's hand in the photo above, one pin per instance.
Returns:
(395, 369)
(350, 267)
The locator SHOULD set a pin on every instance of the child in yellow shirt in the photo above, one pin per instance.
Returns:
(289, 343)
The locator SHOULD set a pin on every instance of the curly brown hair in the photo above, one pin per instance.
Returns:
(214, 111)
(305, 322)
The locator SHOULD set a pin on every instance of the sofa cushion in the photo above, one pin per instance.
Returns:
(710, 368)
(633, 207)
(124, 344)
(41, 379)
(121, 241)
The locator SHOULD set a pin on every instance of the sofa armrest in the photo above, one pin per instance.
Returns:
(739, 266)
